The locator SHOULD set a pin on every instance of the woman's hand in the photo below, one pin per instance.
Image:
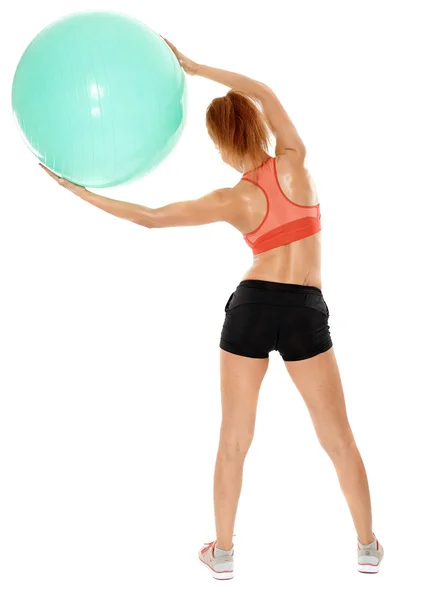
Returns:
(124, 210)
(189, 66)
(68, 185)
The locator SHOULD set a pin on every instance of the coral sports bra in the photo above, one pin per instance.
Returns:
(285, 221)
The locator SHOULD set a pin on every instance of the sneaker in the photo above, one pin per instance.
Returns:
(369, 559)
(221, 567)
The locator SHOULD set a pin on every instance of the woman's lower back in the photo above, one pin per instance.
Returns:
(298, 262)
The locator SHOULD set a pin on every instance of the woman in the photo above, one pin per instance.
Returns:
(278, 305)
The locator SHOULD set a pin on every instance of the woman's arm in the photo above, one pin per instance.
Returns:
(214, 207)
(220, 205)
(279, 122)
(123, 210)
(287, 137)
(211, 208)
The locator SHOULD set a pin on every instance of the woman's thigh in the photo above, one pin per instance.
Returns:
(319, 383)
(241, 378)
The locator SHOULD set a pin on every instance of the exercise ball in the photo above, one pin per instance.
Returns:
(99, 98)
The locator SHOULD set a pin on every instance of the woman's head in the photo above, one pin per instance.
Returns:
(238, 129)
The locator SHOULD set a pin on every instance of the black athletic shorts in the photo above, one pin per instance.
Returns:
(264, 315)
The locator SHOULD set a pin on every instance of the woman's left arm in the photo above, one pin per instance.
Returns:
(216, 206)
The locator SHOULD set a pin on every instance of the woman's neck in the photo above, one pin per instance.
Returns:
(250, 164)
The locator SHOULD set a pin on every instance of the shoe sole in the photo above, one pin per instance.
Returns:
(367, 568)
(216, 575)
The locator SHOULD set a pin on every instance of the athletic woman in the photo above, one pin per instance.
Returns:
(278, 305)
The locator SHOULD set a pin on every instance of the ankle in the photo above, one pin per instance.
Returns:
(223, 544)
(366, 540)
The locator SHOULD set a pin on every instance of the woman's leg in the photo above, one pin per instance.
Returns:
(318, 381)
(241, 379)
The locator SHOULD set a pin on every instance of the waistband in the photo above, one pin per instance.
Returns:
(275, 286)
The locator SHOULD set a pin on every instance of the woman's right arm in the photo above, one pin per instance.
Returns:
(287, 138)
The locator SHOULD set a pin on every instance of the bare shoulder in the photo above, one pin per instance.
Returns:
(237, 202)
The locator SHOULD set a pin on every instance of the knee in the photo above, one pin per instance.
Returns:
(234, 447)
(339, 446)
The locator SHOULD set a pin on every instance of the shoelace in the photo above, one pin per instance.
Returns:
(208, 544)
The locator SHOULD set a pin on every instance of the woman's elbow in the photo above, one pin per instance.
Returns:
(148, 218)
(301, 150)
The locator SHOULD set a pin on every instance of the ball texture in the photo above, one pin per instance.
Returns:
(99, 98)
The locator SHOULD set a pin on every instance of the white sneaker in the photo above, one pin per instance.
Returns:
(369, 559)
(221, 567)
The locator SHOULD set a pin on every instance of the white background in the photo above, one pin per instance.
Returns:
(110, 407)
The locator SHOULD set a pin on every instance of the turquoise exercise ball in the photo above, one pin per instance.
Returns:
(99, 98)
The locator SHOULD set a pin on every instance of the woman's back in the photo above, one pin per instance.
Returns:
(280, 203)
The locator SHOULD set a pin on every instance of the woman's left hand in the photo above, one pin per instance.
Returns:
(68, 185)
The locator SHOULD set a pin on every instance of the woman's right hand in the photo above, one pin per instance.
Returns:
(189, 66)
